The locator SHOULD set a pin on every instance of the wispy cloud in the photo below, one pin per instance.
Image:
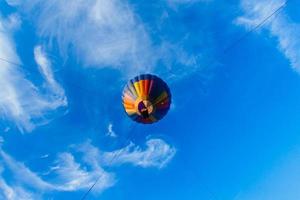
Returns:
(22, 186)
(23, 174)
(101, 33)
(110, 131)
(107, 33)
(186, 1)
(56, 94)
(70, 174)
(14, 192)
(66, 175)
(9, 192)
(281, 26)
(175, 55)
(157, 153)
(20, 100)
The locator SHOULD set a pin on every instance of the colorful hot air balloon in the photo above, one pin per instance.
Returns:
(146, 98)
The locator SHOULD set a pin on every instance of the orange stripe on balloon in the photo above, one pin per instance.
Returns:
(141, 85)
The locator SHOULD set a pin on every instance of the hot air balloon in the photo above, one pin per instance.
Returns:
(146, 98)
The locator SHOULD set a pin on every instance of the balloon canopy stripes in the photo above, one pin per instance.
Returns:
(146, 98)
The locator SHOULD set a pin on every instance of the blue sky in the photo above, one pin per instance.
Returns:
(232, 132)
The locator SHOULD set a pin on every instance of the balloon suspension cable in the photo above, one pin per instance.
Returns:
(244, 36)
(236, 43)
(255, 28)
(116, 154)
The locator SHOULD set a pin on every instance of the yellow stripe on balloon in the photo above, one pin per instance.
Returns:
(132, 90)
(137, 88)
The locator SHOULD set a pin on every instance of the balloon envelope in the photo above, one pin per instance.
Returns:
(146, 98)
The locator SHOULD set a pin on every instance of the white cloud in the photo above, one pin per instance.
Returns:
(176, 4)
(13, 2)
(101, 33)
(110, 131)
(70, 174)
(67, 175)
(186, 1)
(106, 33)
(280, 26)
(6, 129)
(20, 100)
(56, 95)
(174, 55)
(23, 174)
(157, 153)
(14, 193)
(44, 156)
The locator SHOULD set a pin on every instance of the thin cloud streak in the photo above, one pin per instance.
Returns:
(157, 153)
(20, 100)
(56, 94)
(9, 192)
(72, 176)
(22, 174)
